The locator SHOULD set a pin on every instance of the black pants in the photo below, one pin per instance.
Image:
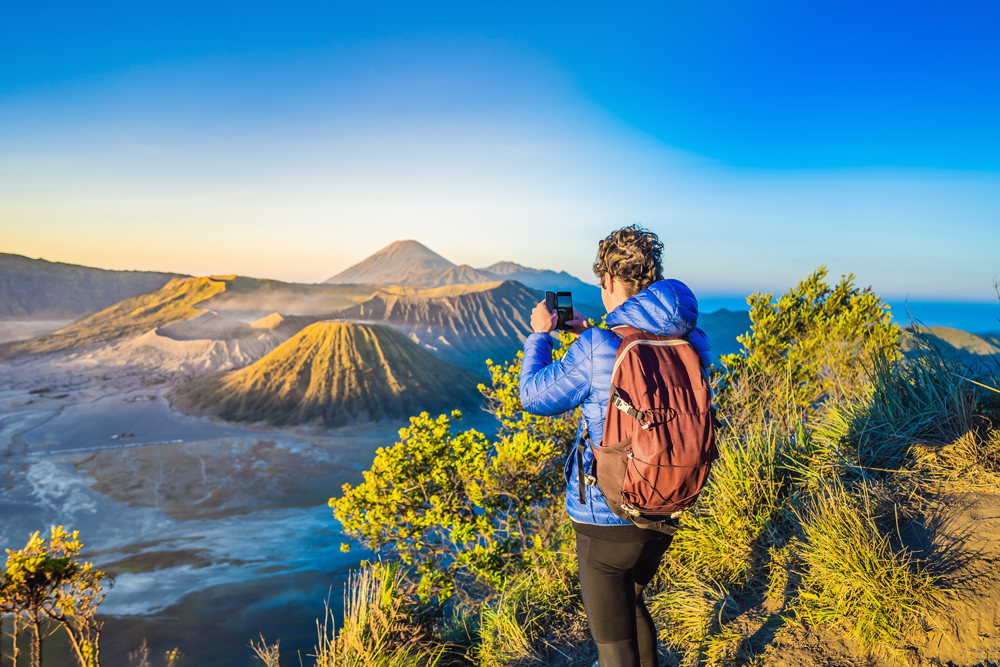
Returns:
(612, 578)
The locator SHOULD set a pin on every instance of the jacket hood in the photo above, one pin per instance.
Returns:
(665, 308)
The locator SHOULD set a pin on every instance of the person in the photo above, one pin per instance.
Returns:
(617, 559)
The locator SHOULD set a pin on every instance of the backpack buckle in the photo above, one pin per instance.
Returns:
(629, 509)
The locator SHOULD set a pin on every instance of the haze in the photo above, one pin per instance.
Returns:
(760, 141)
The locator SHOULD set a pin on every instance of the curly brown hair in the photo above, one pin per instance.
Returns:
(631, 255)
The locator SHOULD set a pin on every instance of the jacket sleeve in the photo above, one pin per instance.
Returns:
(702, 343)
(549, 387)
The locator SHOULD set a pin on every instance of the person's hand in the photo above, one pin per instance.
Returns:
(578, 324)
(542, 321)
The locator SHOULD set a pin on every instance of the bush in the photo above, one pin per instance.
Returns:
(809, 345)
(455, 504)
(452, 502)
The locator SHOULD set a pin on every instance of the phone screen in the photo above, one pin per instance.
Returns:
(564, 301)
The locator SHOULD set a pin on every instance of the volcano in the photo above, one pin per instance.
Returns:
(334, 373)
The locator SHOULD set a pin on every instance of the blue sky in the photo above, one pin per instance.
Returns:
(290, 140)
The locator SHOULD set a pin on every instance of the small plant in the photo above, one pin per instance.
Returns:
(45, 587)
(139, 657)
(269, 654)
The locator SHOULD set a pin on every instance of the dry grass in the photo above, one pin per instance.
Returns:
(379, 626)
(269, 654)
(922, 399)
(736, 509)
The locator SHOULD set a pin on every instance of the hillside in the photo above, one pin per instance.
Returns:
(980, 353)
(465, 328)
(39, 289)
(335, 372)
(452, 275)
(252, 298)
(175, 301)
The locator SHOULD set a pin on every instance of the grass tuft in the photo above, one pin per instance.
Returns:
(735, 510)
(537, 613)
(853, 571)
(921, 399)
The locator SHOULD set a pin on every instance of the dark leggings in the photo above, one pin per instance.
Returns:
(612, 577)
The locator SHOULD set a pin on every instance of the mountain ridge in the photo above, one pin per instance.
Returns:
(175, 301)
(412, 263)
(465, 329)
(41, 289)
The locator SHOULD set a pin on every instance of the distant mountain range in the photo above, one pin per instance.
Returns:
(403, 330)
(39, 289)
(334, 372)
(412, 263)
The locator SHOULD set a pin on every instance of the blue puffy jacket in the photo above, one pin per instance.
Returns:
(583, 376)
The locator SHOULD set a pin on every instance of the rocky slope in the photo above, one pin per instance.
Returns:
(209, 342)
(465, 328)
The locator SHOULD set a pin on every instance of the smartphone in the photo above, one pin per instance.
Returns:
(562, 303)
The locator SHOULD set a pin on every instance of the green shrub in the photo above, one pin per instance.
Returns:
(452, 504)
(809, 344)
(45, 587)
(503, 398)
(447, 502)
